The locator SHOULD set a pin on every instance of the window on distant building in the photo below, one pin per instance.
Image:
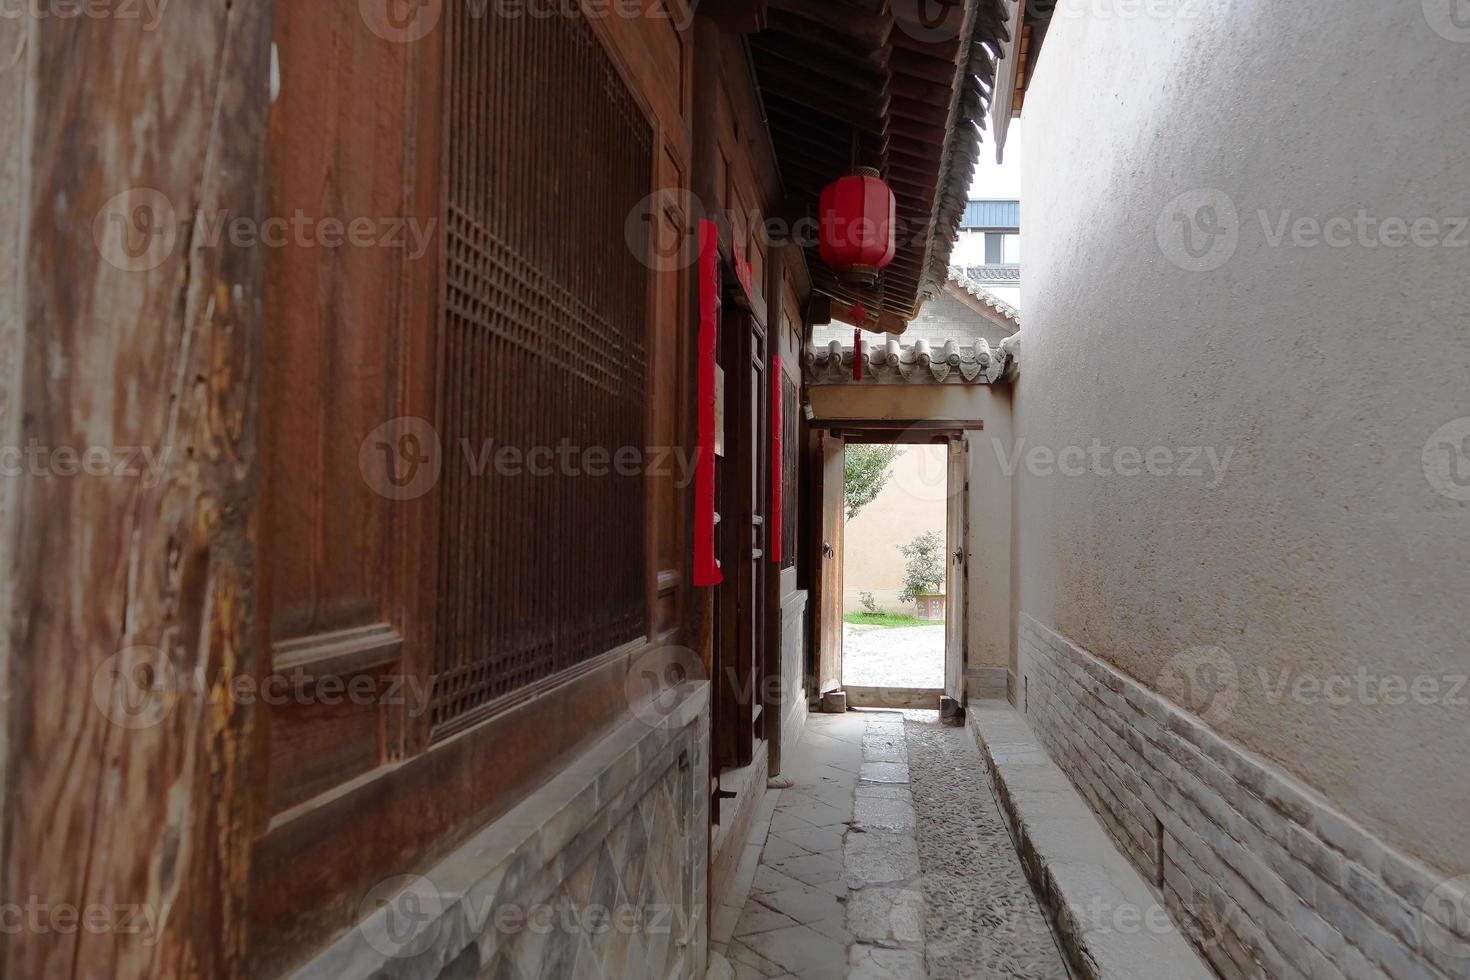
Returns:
(1002, 248)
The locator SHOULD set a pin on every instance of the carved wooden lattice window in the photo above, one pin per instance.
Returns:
(544, 335)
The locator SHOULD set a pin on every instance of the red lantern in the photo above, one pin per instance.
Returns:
(857, 227)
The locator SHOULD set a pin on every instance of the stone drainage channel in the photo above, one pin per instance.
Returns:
(887, 858)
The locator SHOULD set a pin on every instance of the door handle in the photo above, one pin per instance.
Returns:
(828, 551)
(959, 556)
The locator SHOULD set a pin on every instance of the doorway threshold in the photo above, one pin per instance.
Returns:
(925, 698)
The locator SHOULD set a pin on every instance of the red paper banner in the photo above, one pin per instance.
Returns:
(777, 469)
(706, 565)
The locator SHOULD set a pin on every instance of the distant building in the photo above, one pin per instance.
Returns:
(963, 310)
(989, 247)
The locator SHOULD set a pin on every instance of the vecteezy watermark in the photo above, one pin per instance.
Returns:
(1450, 19)
(930, 21)
(407, 21)
(142, 463)
(1129, 9)
(401, 21)
(136, 688)
(1363, 229)
(654, 682)
(1199, 230)
(148, 12)
(139, 688)
(1446, 920)
(37, 916)
(1446, 459)
(403, 459)
(301, 688)
(139, 229)
(403, 916)
(1204, 680)
(661, 229)
(1097, 459)
(1364, 686)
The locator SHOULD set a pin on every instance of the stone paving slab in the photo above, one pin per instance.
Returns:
(887, 859)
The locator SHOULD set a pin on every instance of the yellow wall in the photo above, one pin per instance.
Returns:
(912, 502)
(988, 602)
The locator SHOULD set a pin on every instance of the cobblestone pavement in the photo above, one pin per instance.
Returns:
(887, 860)
(910, 656)
(981, 917)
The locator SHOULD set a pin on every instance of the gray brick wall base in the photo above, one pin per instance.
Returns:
(1263, 874)
(1110, 924)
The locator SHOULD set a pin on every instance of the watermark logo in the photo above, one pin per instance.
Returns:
(401, 916)
(654, 682)
(136, 688)
(1206, 463)
(144, 464)
(401, 459)
(1130, 9)
(1364, 229)
(1363, 686)
(1205, 680)
(658, 230)
(401, 21)
(140, 229)
(148, 12)
(39, 917)
(1199, 230)
(921, 472)
(1446, 459)
(1450, 19)
(930, 21)
(1446, 924)
(136, 231)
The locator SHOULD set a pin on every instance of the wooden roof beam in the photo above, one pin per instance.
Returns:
(869, 29)
(807, 104)
(826, 59)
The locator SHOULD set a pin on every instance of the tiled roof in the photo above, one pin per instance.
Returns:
(975, 363)
(967, 283)
(994, 273)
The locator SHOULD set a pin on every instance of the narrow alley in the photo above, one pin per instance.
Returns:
(887, 858)
(681, 489)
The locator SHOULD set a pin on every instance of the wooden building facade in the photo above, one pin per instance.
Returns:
(407, 628)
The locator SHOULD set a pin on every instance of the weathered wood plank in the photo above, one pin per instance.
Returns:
(140, 330)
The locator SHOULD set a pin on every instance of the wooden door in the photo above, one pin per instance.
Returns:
(829, 611)
(351, 459)
(956, 536)
(743, 502)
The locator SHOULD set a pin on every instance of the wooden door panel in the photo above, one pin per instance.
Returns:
(829, 659)
(336, 373)
(956, 562)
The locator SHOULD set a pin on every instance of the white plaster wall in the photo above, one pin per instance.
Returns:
(1325, 550)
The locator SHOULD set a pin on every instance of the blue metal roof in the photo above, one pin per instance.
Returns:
(992, 215)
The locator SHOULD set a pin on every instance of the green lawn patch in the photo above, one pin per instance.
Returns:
(887, 621)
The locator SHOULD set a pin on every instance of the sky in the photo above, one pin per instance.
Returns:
(999, 182)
